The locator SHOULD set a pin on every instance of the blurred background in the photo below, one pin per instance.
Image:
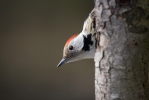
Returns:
(32, 36)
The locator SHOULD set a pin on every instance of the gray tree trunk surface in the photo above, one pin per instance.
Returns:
(121, 58)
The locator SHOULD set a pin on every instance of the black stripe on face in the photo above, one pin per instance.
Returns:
(87, 42)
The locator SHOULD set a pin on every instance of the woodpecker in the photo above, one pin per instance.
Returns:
(80, 46)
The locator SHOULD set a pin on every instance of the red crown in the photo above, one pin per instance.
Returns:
(71, 38)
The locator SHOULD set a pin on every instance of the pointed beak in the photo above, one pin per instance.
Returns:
(61, 62)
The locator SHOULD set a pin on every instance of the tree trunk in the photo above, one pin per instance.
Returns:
(121, 58)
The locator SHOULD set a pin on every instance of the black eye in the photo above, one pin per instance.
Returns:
(71, 47)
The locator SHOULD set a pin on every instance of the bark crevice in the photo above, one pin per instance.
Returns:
(120, 74)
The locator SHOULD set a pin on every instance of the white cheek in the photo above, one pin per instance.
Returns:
(72, 52)
(78, 42)
(73, 59)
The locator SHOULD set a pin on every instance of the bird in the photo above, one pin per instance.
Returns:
(80, 46)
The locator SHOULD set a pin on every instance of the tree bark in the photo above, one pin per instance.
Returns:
(122, 58)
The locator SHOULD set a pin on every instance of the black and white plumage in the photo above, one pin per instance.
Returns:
(80, 46)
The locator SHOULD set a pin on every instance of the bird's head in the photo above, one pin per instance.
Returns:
(78, 47)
